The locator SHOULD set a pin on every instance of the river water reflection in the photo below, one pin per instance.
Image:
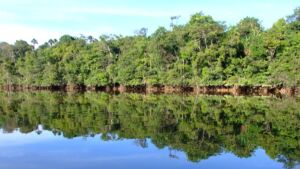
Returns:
(98, 130)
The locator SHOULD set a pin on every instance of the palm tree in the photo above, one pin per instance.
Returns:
(34, 42)
(51, 42)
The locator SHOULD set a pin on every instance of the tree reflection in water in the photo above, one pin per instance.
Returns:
(200, 126)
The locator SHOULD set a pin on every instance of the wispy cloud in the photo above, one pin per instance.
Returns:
(7, 15)
(12, 32)
(126, 12)
(19, 139)
(18, 31)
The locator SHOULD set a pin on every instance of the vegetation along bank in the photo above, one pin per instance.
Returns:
(201, 55)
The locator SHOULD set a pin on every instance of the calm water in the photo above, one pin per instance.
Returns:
(97, 130)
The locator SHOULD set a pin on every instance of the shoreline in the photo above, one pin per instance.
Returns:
(214, 90)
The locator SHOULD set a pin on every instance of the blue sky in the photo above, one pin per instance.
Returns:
(45, 19)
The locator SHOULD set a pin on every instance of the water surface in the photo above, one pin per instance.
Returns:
(97, 130)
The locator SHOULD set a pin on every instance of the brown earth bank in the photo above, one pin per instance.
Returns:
(217, 90)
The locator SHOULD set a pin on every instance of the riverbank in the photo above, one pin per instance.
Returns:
(219, 90)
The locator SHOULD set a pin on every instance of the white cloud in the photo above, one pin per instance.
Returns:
(7, 16)
(19, 139)
(12, 32)
(126, 12)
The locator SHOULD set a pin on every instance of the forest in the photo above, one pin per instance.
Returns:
(202, 52)
(201, 126)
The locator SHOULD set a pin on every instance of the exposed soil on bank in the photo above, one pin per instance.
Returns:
(213, 90)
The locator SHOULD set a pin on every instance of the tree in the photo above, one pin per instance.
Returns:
(205, 30)
(274, 38)
(249, 25)
(66, 39)
(20, 49)
(173, 20)
(34, 42)
(51, 42)
(141, 32)
(295, 17)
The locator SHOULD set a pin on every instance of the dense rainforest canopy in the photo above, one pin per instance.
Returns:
(199, 53)
(200, 126)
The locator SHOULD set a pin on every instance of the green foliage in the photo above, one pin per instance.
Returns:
(248, 26)
(21, 48)
(201, 52)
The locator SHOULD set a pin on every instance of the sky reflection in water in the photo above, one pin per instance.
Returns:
(47, 151)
